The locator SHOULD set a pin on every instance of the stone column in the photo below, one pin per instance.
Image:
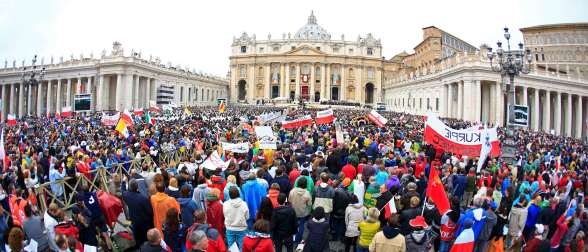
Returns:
(460, 99)
(13, 99)
(328, 82)
(359, 87)
(478, 99)
(312, 83)
(148, 93)
(99, 93)
(29, 99)
(21, 107)
(68, 93)
(5, 101)
(557, 114)
(59, 103)
(136, 83)
(443, 100)
(297, 91)
(39, 99)
(282, 81)
(79, 86)
(118, 104)
(128, 89)
(267, 83)
(569, 116)
(547, 111)
(49, 95)
(468, 100)
(499, 104)
(579, 121)
(450, 100)
(536, 102)
(323, 81)
(343, 95)
(525, 99)
(287, 81)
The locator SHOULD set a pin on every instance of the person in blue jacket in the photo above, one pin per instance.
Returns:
(477, 214)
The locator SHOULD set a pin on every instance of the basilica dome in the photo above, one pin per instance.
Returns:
(312, 31)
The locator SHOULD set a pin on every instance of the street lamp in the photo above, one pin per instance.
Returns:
(510, 63)
(32, 77)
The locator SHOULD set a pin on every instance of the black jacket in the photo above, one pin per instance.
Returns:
(340, 202)
(284, 183)
(318, 236)
(405, 216)
(284, 223)
(146, 247)
(381, 202)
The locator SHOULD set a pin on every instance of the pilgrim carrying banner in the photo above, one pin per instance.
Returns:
(467, 142)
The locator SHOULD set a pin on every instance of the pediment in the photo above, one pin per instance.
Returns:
(305, 50)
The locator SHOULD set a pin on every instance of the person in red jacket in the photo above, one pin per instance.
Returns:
(218, 182)
(214, 211)
(349, 171)
(260, 240)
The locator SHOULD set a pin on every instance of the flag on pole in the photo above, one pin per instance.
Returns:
(325, 116)
(11, 120)
(121, 128)
(221, 106)
(377, 118)
(66, 111)
(149, 119)
(485, 150)
(126, 116)
(187, 111)
(138, 112)
(296, 123)
(390, 208)
(436, 192)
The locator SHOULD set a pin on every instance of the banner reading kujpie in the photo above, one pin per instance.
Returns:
(466, 142)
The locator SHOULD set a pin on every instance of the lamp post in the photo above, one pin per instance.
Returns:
(510, 63)
(32, 77)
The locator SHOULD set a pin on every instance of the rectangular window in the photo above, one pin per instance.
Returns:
(292, 48)
(242, 71)
(370, 73)
(370, 51)
(261, 49)
(428, 104)
(243, 49)
(542, 57)
(536, 57)
(350, 50)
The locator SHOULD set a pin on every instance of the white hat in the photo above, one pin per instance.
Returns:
(539, 228)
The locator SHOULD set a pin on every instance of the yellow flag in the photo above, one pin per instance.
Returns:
(187, 111)
(221, 106)
(121, 128)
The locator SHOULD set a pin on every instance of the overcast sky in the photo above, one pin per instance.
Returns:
(199, 33)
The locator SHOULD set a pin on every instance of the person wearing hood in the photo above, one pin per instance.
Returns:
(283, 224)
(215, 242)
(253, 192)
(173, 190)
(447, 230)
(478, 215)
(200, 192)
(367, 229)
(259, 239)
(301, 202)
(418, 239)
(310, 182)
(231, 182)
(318, 231)
(214, 211)
(354, 214)
(161, 202)
(218, 182)
(324, 194)
(187, 206)
(389, 239)
(236, 213)
(491, 219)
(140, 211)
(387, 194)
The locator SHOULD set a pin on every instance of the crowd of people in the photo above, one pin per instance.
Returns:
(323, 188)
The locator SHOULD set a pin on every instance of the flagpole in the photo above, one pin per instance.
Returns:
(424, 202)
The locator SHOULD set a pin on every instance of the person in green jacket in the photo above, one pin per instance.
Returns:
(309, 184)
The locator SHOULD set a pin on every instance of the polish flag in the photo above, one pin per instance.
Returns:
(66, 111)
(126, 116)
(155, 109)
(325, 116)
(390, 208)
(377, 118)
(138, 112)
(11, 120)
(58, 116)
(296, 123)
(464, 242)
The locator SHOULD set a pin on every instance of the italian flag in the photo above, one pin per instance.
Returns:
(149, 120)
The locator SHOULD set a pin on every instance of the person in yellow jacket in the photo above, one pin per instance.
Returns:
(368, 229)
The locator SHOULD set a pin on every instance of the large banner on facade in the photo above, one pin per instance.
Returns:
(467, 142)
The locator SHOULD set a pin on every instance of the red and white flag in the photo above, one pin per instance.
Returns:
(464, 242)
(110, 120)
(138, 112)
(377, 118)
(296, 123)
(66, 111)
(390, 208)
(467, 142)
(126, 116)
(11, 120)
(325, 116)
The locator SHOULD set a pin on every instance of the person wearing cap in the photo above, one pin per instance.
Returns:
(418, 239)
(367, 229)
